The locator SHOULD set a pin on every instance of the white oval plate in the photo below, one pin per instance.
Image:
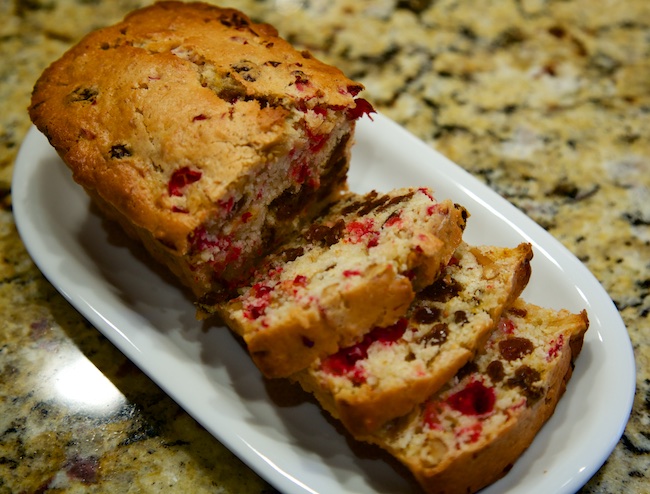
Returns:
(208, 373)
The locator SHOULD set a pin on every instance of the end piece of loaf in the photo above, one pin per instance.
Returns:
(395, 368)
(354, 268)
(471, 433)
(204, 134)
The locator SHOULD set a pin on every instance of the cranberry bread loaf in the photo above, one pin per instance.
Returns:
(204, 134)
(356, 267)
(395, 368)
(472, 432)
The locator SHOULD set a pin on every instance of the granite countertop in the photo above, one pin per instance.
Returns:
(546, 101)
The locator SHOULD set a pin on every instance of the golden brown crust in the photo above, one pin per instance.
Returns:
(189, 86)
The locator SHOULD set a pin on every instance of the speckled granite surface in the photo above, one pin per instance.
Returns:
(547, 101)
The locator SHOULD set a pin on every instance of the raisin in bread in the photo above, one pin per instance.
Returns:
(207, 136)
(394, 368)
(356, 267)
(472, 432)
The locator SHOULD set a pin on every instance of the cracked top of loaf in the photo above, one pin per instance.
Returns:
(163, 113)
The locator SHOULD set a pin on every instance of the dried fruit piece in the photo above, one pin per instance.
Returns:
(437, 335)
(181, 178)
(474, 399)
(514, 348)
(83, 94)
(119, 151)
(495, 371)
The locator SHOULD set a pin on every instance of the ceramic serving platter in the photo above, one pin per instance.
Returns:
(292, 444)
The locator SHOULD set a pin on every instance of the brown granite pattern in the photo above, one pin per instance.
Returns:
(547, 101)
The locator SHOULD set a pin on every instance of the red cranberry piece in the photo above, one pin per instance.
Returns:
(261, 290)
(301, 79)
(300, 280)
(316, 142)
(343, 363)
(300, 172)
(427, 193)
(320, 110)
(228, 205)
(389, 334)
(431, 414)
(506, 325)
(201, 240)
(474, 399)
(471, 433)
(182, 178)
(393, 219)
(354, 89)
(363, 107)
(360, 231)
(556, 346)
(433, 209)
(261, 298)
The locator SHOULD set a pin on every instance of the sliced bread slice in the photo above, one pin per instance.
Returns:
(354, 268)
